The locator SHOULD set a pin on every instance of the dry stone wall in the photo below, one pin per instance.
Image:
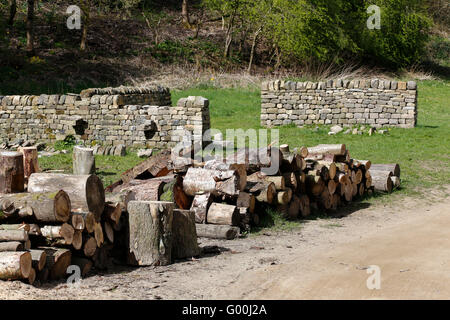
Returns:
(374, 102)
(130, 116)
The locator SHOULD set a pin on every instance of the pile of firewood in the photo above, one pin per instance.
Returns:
(60, 220)
(227, 196)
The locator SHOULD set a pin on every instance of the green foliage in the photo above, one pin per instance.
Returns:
(67, 144)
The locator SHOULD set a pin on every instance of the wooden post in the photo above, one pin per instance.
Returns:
(150, 232)
(83, 161)
(12, 177)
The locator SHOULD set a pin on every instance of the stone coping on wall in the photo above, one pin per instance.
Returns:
(346, 102)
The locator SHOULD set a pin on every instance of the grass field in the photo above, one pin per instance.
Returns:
(423, 152)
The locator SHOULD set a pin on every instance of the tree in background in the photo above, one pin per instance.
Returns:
(30, 27)
(12, 11)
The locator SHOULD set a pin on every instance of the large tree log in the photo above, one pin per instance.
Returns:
(184, 244)
(381, 180)
(39, 258)
(224, 214)
(335, 149)
(86, 192)
(199, 180)
(155, 166)
(58, 260)
(30, 160)
(150, 232)
(393, 168)
(11, 246)
(83, 161)
(200, 206)
(12, 177)
(150, 190)
(47, 207)
(285, 196)
(217, 231)
(15, 265)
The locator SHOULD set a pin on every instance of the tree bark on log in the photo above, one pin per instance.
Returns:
(47, 207)
(278, 181)
(223, 214)
(13, 235)
(335, 149)
(200, 206)
(184, 244)
(222, 166)
(86, 192)
(83, 161)
(30, 160)
(264, 191)
(12, 177)
(150, 190)
(381, 180)
(393, 168)
(263, 159)
(212, 231)
(15, 265)
(11, 246)
(150, 232)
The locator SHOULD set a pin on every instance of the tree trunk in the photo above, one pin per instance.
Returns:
(393, 168)
(252, 52)
(278, 181)
(264, 191)
(39, 258)
(46, 207)
(185, 14)
(30, 28)
(83, 161)
(15, 265)
(381, 180)
(12, 11)
(200, 206)
(78, 222)
(98, 234)
(223, 214)
(65, 231)
(284, 197)
(11, 246)
(184, 243)
(222, 166)
(108, 231)
(32, 276)
(150, 190)
(86, 192)
(58, 260)
(217, 231)
(150, 232)
(335, 149)
(30, 160)
(11, 172)
(199, 180)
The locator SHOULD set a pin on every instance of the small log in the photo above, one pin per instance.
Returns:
(39, 258)
(335, 149)
(15, 265)
(86, 192)
(284, 197)
(30, 160)
(98, 234)
(12, 177)
(331, 166)
(65, 231)
(278, 181)
(84, 264)
(47, 207)
(199, 180)
(13, 235)
(223, 214)
(264, 191)
(246, 200)
(393, 168)
(83, 161)
(113, 212)
(35, 230)
(150, 190)
(11, 246)
(381, 180)
(90, 246)
(150, 232)
(78, 222)
(212, 231)
(89, 221)
(184, 244)
(77, 242)
(200, 206)
(58, 260)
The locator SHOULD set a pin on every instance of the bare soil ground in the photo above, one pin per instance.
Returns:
(327, 259)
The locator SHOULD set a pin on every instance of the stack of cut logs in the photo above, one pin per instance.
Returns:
(60, 220)
(227, 196)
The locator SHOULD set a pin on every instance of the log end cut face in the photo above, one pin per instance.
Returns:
(62, 206)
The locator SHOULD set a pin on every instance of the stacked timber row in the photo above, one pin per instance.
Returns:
(227, 196)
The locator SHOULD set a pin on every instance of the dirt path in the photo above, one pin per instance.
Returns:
(409, 240)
